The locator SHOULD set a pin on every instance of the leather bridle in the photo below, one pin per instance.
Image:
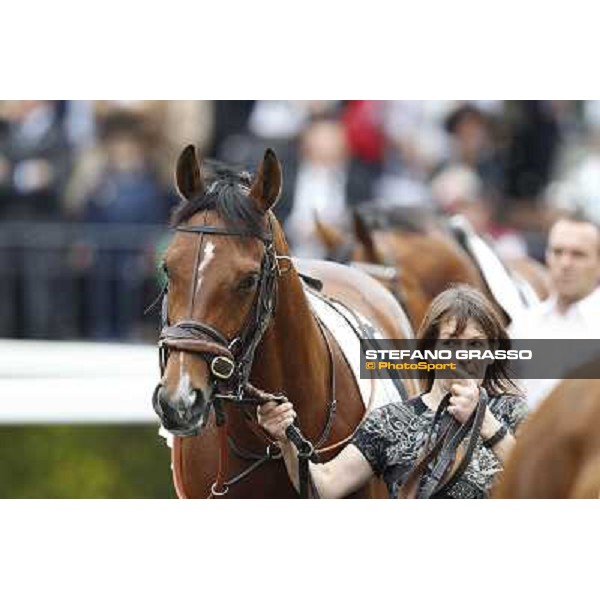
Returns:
(230, 362)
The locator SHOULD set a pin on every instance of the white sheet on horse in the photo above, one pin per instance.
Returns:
(510, 294)
(383, 389)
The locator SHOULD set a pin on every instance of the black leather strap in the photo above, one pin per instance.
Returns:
(473, 430)
(210, 229)
(499, 435)
(439, 457)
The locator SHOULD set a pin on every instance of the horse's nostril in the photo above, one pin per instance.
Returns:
(160, 394)
(163, 397)
(177, 401)
(157, 400)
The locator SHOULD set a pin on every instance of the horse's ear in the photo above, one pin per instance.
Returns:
(187, 175)
(331, 237)
(266, 187)
(363, 235)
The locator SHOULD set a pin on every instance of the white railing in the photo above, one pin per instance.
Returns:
(76, 382)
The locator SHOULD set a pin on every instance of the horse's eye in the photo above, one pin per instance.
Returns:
(163, 267)
(248, 282)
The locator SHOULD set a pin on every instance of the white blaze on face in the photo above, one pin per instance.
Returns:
(209, 254)
(182, 370)
(184, 388)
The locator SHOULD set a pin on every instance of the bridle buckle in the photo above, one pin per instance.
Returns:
(282, 270)
(218, 493)
(222, 367)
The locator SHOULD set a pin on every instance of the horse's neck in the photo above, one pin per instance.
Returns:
(292, 356)
(459, 266)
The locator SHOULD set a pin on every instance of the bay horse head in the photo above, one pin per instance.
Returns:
(222, 270)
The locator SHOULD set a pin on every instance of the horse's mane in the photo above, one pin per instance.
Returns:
(412, 219)
(226, 192)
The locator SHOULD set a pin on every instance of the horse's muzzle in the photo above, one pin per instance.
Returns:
(180, 418)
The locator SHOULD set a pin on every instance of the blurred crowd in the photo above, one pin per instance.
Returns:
(112, 161)
(508, 166)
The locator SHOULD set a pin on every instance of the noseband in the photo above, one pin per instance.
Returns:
(229, 361)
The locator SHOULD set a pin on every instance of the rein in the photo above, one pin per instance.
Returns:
(432, 476)
(306, 450)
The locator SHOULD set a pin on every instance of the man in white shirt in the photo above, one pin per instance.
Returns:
(573, 310)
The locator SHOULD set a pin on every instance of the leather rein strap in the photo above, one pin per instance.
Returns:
(432, 476)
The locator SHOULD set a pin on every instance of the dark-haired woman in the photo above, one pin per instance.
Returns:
(393, 440)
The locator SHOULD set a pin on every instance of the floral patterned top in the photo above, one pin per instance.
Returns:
(393, 436)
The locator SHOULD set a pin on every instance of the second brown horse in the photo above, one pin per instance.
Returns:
(421, 258)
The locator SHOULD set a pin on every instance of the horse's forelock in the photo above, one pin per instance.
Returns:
(227, 194)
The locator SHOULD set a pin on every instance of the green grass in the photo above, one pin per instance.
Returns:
(84, 461)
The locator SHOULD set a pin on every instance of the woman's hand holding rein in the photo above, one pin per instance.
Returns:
(275, 419)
